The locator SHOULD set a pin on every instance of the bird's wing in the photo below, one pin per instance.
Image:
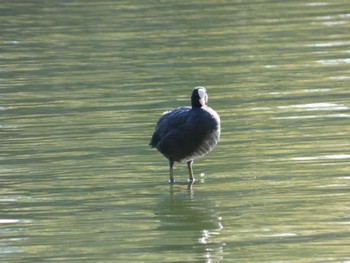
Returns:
(169, 121)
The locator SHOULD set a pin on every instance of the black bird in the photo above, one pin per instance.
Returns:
(187, 133)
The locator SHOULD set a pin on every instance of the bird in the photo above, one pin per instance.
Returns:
(187, 133)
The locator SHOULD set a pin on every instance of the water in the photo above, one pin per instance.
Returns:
(82, 84)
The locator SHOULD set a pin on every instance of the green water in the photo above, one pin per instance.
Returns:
(82, 84)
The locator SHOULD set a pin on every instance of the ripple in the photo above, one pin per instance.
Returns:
(317, 4)
(316, 106)
(330, 62)
(324, 157)
(340, 78)
(316, 90)
(280, 235)
(9, 221)
(312, 116)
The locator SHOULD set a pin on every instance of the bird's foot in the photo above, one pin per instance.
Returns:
(190, 184)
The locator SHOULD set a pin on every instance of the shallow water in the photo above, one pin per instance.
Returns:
(82, 85)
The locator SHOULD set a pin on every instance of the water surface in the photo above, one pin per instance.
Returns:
(83, 83)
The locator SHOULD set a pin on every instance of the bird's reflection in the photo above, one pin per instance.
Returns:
(190, 223)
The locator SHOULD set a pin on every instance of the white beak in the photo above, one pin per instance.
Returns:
(203, 97)
(203, 101)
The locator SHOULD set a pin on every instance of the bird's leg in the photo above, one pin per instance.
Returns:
(190, 171)
(189, 185)
(171, 165)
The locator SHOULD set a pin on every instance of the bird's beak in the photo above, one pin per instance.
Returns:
(203, 101)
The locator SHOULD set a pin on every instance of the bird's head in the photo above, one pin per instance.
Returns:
(199, 97)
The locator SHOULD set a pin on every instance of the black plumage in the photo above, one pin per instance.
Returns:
(187, 133)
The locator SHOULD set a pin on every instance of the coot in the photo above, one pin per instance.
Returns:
(187, 133)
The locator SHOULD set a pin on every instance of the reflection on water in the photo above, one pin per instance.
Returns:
(322, 107)
(81, 84)
(190, 225)
(331, 157)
